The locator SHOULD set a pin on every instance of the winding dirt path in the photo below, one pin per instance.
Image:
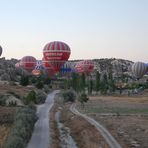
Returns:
(107, 136)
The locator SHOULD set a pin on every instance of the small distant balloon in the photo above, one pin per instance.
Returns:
(17, 65)
(139, 69)
(85, 66)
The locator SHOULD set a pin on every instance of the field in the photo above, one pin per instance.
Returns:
(125, 117)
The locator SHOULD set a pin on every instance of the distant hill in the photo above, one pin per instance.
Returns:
(8, 71)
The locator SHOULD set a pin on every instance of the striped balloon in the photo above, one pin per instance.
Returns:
(56, 53)
(28, 63)
(139, 69)
(66, 68)
(86, 66)
(1, 50)
(39, 65)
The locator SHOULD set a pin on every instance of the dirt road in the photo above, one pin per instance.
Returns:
(41, 136)
(107, 136)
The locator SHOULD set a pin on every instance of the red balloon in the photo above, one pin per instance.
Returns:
(56, 53)
(28, 63)
(86, 66)
(48, 67)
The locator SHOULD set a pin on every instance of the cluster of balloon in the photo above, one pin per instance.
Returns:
(1, 50)
(139, 69)
(56, 53)
(28, 63)
(86, 66)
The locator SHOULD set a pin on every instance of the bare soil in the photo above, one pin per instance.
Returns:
(19, 90)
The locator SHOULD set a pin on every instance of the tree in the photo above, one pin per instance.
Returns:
(24, 80)
(83, 99)
(90, 86)
(74, 81)
(31, 97)
(111, 83)
(82, 83)
(104, 84)
(97, 85)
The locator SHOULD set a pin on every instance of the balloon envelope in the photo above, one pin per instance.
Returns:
(28, 63)
(1, 50)
(86, 66)
(56, 53)
(139, 69)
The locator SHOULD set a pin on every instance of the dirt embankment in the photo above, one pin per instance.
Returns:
(84, 134)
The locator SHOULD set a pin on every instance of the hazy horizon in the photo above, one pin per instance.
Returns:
(93, 29)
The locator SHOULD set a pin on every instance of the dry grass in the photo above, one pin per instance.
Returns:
(137, 99)
(4, 130)
(19, 90)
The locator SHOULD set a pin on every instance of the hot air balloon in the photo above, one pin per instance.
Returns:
(56, 53)
(86, 66)
(28, 63)
(49, 69)
(66, 68)
(38, 68)
(39, 65)
(139, 69)
(1, 50)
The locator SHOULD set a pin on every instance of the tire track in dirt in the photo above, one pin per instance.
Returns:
(107, 136)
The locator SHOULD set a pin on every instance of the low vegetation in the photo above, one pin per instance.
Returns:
(22, 128)
(68, 96)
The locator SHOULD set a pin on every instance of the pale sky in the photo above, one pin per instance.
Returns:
(92, 28)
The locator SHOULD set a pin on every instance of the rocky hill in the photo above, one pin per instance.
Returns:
(8, 72)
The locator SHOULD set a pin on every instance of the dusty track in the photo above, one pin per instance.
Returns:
(107, 136)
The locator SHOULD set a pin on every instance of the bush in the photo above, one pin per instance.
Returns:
(24, 81)
(69, 96)
(21, 131)
(31, 97)
(40, 97)
(2, 100)
(83, 99)
(39, 85)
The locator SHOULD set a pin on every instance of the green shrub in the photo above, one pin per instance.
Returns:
(40, 97)
(39, 85)
(69, 96)
(24, 80)
(83, 99)
(23, 127)
(31, 97)
(2, 100)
